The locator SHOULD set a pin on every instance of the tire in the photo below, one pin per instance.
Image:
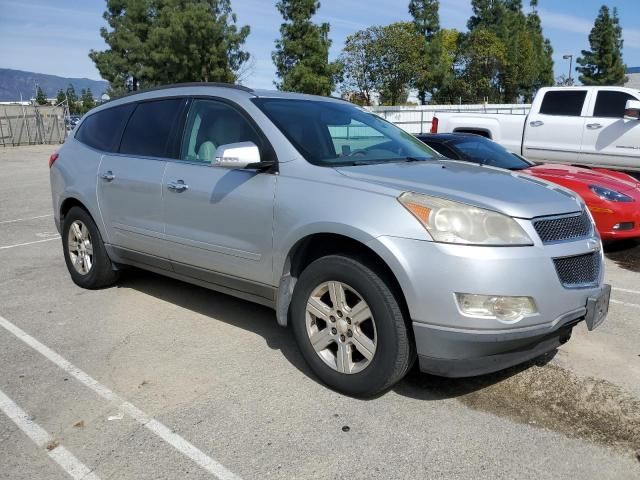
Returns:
(386, 329)
(98, 271)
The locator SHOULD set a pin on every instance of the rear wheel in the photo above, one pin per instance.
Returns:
(349, 326)
(84, 252)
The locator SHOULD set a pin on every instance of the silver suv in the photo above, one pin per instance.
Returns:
(375, 249)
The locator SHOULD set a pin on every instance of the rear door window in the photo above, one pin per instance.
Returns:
(152, 128)
(102, 130)
(611, 104)
(565, 102)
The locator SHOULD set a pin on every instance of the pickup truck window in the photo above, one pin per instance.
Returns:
(563, 102)
(610, 104)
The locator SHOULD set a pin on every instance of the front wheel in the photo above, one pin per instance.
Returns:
(84, 252)
(349, 326)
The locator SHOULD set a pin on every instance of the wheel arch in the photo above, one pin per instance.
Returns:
(316, 245)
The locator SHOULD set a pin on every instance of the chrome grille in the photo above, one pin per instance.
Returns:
(579, 270)
(566, 227)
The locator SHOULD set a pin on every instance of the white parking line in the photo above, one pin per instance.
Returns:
(157, 428)
(30, 243)
(626, 304)
(63, 457)
(625, 290)
(25, 219)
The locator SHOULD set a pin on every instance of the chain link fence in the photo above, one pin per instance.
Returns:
(32, 124)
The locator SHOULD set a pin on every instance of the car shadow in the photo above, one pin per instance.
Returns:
(625, 253)
(422, 386)
(261, 320)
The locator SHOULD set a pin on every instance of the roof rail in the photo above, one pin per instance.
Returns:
(189, 84)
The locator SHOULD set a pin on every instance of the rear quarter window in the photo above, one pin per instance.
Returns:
(102, 130)
(564, 102)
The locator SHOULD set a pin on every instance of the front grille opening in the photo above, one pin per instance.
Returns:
(558, 229)
(579, 270)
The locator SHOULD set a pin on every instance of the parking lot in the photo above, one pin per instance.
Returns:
(155, 378)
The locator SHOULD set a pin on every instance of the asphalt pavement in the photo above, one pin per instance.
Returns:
(155, 378)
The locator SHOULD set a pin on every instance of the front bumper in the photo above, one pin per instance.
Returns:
(451, 343)
(616, 213)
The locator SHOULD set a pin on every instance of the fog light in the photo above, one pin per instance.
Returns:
(506, 309)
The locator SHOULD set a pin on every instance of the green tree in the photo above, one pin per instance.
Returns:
(301, 56)
(170, 41)
(483, 58)
(60, 97)
(427, 23)
(41, 98)
(603, 65)
(358, 60)
(527, 63)
(72, 98)
(87, 100)
(542, 54)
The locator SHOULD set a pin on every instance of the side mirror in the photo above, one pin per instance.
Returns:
(238, 156)
(632, 110)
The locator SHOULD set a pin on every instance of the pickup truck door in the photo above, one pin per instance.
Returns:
(609, 138)
(554, 132)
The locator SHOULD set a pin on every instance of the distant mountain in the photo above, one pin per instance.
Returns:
(15, 82)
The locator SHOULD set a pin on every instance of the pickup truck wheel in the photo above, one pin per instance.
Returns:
(84, 252)
(350, 327)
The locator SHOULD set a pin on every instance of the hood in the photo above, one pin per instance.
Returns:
(568, 173)
(515, 194)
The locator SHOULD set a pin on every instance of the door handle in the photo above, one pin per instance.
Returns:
(107, 176)
(536, 123)
(593, 126)
(178, 186)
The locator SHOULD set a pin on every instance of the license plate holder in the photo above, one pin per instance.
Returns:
(598, 307)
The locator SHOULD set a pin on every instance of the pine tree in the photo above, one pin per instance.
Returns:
(60, 97)
(87, 100)
(426, 20)
(72, 98)
(301, 56)
(41, 98)
(603, 65)
(169, 41)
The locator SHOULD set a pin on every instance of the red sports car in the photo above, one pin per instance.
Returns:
(612, 197)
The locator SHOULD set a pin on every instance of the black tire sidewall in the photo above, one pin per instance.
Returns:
(101, 269)
(387, 314)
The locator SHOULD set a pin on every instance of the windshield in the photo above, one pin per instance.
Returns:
(339, 134)
(481, 150)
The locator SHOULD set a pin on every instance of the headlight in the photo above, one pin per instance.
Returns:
(505, 309)
(610, 195)
(453, 222)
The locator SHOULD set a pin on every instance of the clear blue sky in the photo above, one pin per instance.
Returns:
(54, 36)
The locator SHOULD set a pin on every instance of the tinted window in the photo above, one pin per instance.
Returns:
(442, 149)
(481, 150)
(211, 124)
(611, 104)
(151, 127)
(102, 130)
(568, 103)
(335, 133)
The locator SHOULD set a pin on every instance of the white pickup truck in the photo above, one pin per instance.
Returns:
(593, 126)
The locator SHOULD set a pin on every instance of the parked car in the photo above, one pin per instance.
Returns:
(374, 248)
(594, 126)
(613, 198)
